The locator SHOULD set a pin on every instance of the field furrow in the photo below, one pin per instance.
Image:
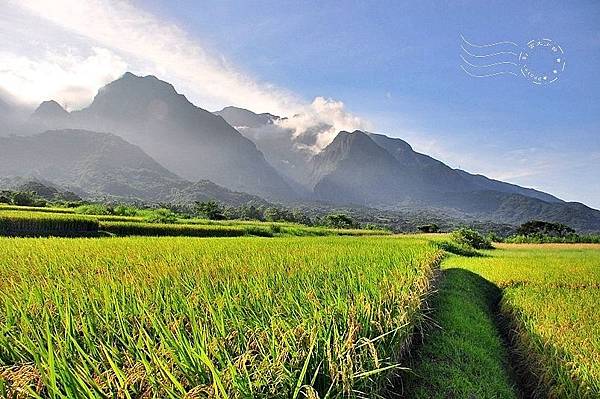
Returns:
(549, 300)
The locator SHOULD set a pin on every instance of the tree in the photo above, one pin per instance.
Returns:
(471, 238)
(5, 197)
(272, 214)
(339, 221)
(429, 228)
(162, 215)
(541, 228)
(251, 212)
(210, 209)
(300, 217)
(23, 198)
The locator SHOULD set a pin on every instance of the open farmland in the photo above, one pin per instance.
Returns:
(35, 221)
(549, 300)
(238, 317)
(28, 223)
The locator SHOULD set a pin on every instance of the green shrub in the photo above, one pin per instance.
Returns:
(541, 228)
(23, 198)
(93, 209)
(125, 210)
(471, 238)
(546, 239)
(210, 209)
(458, 249)
(162, 215)
(429, 228)
(339, 221)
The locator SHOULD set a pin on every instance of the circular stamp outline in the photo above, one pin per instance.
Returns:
(543, 77)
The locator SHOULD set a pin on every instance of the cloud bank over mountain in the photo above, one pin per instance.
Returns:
(106, 37)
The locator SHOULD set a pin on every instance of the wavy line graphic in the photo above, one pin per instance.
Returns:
(486, 45)
(488, 60)
(487, 55)
(488, 65)
(489, 75)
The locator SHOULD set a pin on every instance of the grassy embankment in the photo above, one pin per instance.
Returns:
(26, 223)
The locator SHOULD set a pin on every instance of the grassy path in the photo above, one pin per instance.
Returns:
(547, 296)
(463, 357)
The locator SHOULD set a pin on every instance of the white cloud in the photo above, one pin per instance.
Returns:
(65, 76)
(151, 45)
(319, 122)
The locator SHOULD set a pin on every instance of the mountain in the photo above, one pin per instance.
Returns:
(353, 169)
(369, 169)
(102, 165)
(374, 170)
(11, 115)
(43, 189)
(164, 148)
(485, 183)
(446, 179)
(281, 149)
(50, 109)
(243, 118)
(188, 140)
(515, 209)
(50, 112)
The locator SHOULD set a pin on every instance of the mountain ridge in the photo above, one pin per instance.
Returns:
(186, 139)
(267, 159)
(103, 165)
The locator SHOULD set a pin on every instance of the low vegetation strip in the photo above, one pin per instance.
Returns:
(4, 207)
(463, 355)
(238, 318)
(165, 223)
(172, 230)
(550, 296)
(20, 223)
(226, 230)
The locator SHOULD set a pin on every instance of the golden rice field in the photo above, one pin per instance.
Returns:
(42, 222)
(195, 318)
(550, 297)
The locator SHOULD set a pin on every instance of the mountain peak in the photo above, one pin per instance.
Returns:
(349, 139)
(131, 76)
(356, 146)
(149, 80)
(49, 110)
(241, 117)
(133, 97)
(144, 86)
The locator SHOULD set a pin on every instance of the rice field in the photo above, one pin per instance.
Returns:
(550, 294)
(5, 207)
(142, 317)
(32, 221)
(26, 223)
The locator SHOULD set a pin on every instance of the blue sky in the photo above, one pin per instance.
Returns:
(397, 64)
(394, 64)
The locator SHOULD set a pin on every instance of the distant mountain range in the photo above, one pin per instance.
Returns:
(375, 170)
(157, 146)
(102, 165)
(189, 141)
